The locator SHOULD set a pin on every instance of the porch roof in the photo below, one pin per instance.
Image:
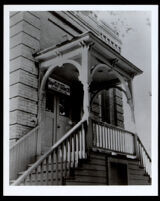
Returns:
(102, 47)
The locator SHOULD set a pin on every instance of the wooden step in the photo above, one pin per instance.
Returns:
(139, 177)
(93, 162)
(95, 167)
(74, 183)
(42, 183)
(136, 171)
(139, 182)
(94, 173)
(90, 179)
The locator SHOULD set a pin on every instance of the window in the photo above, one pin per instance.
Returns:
(49, 102)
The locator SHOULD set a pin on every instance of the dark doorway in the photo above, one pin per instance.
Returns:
(118, 174)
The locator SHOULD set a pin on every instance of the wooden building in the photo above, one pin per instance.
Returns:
(67, 77)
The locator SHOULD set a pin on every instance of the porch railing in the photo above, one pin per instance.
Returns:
(56, 163)
(23, 152)
(145, 160)
(112, 138)
(115, 139)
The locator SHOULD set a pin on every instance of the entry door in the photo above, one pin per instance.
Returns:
(56, 121)
(63, 120)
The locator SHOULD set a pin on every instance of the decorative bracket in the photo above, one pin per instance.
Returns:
(86, 44)
(92, 68)
(114, 62)
(60, 56)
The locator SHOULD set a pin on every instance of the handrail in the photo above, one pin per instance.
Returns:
(111, 126)
(144, 148)
(24, 137)
(23, 152)
(43, 157)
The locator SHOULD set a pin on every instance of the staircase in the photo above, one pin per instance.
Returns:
(94, 171)
(70, 162)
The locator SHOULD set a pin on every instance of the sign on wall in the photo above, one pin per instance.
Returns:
(58, 86)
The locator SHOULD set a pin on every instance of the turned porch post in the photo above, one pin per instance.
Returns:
(131, 103)
(85, 78)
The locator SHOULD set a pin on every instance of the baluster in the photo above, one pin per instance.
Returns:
(41, 172)
(118, 142)
(52, 168)
(30, 179)
(69, 153)
(61, 164)
(126, 142)
(130, 143)
(56, 162)
(65, 158)
(36, 176)
(80, 144)
(118, 145)
(123, 138)
(141, 159)
(83, 141)
(77, 149)
(133, 144)
(73, 151)
(106, 137)
(121, 141)
(109, 138)
(109, 135)
(115, 138)
(24, 182)
(100, 135)
(111, 143)
(111, 131)
(97, 134)
(47, 171)
(94, 133)
(104, 141)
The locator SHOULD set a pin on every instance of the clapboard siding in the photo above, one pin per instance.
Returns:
(95, 171)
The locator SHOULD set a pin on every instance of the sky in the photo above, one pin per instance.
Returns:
(135, 32)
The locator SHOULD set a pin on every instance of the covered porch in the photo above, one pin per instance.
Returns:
(87, 62)
(97, 67)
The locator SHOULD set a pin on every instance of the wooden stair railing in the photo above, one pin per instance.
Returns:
(23, 152)
(144, 158)
(51, 167)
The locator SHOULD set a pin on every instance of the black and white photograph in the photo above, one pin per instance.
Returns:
(80, 98)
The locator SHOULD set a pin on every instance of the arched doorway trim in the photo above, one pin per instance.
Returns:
(128, 93)
(51, 69)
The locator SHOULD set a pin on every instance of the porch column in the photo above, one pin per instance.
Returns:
(131, 103)
(85, 78)
(41, 108)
